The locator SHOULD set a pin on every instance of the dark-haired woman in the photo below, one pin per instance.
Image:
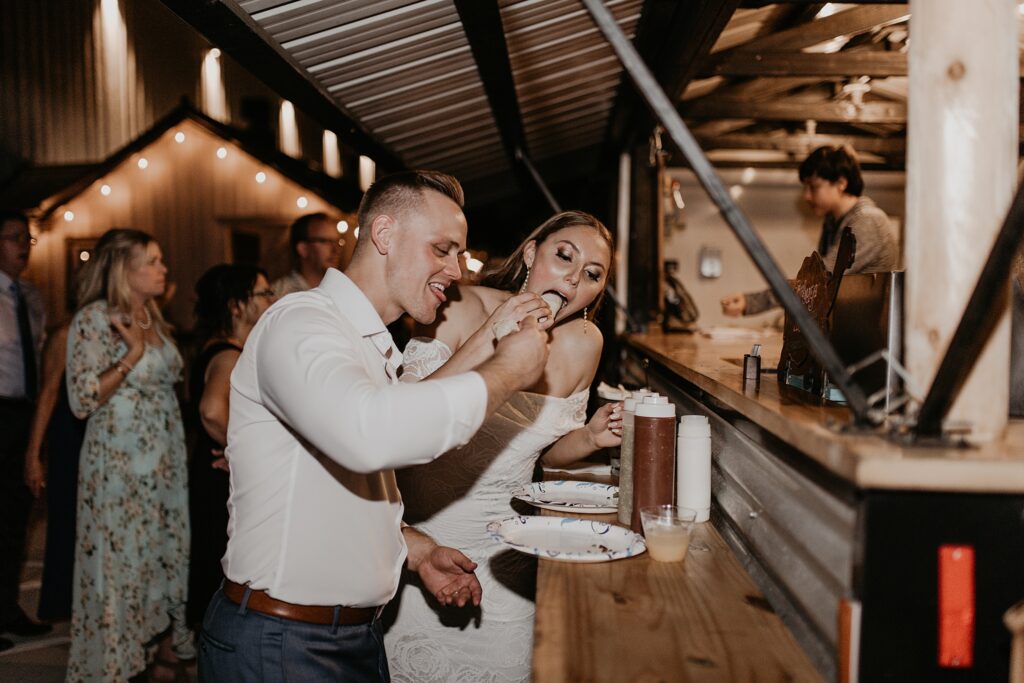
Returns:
(833, 188)
(229, 301)
(567, 261)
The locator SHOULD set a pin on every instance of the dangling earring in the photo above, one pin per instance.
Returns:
(525, 280)
(585, 321)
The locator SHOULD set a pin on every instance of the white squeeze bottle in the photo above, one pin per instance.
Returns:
(693, 465)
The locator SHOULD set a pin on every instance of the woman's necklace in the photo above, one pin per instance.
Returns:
(149, 320)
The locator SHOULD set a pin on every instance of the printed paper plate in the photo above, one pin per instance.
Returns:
(567, 539)
(582, 497)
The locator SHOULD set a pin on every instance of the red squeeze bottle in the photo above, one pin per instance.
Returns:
(654, 455)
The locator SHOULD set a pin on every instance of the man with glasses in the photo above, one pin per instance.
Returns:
(315, 247)
(21, 337)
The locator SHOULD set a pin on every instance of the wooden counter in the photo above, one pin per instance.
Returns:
(865, 460)
(641, 620)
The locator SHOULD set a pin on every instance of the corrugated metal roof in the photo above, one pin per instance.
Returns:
(405, 70)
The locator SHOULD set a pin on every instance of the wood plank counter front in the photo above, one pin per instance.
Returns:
(641, 620)
(867, 461)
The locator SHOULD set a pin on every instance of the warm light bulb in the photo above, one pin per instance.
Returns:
(143, 162)
(69, 215)
(105, 190)
(301, 202)
(474, 264)
(355, 233)
(179, 137)
(215, 53)
(342, 227)
(83, 256)
(222, 152)
(261, 177)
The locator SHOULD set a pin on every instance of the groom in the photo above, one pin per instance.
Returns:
(318, 422)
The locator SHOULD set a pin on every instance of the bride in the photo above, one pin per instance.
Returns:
(452, 499)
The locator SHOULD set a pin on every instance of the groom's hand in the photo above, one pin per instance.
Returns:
(445, 572)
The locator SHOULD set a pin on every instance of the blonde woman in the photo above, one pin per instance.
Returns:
(131, 557)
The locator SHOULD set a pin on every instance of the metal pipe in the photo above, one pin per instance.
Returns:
(977, 323)
(538, 180)
(669, 118)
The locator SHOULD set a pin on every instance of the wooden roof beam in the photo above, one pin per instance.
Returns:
(674, 38)
(843, 112)
(481, 21)
(849, 22)
(800, 64)
(802, 144)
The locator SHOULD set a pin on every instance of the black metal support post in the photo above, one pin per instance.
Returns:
(676, 128)
(522, 158)
(976, 325)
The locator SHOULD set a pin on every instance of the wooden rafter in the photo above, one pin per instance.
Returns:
(847, 23)
(790, 64)
(869, 112)
(802, 144)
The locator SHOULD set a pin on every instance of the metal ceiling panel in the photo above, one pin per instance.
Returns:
(403, 68)
(566, 75)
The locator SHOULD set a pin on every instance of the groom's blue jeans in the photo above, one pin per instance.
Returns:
(237, 644)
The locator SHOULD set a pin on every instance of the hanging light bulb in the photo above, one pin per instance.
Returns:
(261, 177)
(342, 227)
(105, 190)
(222, 152)
(143, 163)
(179, 137)
(302, 202)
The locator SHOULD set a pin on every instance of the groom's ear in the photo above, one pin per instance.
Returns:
(382, 231)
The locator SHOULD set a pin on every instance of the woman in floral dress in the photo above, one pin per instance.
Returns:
(131, 557)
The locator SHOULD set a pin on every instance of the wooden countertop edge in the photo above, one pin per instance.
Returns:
(867, 461)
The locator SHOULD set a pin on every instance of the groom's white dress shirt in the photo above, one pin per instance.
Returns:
(317, 424)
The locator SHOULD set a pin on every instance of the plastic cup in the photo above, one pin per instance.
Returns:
(667, 530)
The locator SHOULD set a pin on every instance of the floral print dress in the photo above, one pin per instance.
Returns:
(131, 555)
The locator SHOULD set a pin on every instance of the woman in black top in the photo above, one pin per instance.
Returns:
(230, 299)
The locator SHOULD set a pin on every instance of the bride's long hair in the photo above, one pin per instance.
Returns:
(511, 274)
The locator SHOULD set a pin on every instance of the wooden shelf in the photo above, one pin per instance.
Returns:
(867, 460)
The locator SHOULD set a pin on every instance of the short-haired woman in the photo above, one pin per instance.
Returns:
(131, 558)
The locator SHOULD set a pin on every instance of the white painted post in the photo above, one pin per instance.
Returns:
(961, 175)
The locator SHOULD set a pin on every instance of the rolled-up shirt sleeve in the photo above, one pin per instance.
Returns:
(313, 377)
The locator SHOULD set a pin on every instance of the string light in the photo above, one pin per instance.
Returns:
(69, 215)
(143, 162)
(105, 190)
(222, 152)
(474, 264)
(261, 177)
(83, 256)
(302, 202)
(179, 137)
(215, 53)
(355, 233)
(342, 227)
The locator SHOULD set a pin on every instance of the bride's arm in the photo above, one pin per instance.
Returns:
(603, 431)
(467, 329)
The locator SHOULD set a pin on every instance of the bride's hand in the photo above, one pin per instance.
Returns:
(508, 315)
(605, 427)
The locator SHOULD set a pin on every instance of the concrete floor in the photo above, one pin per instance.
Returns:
(44, 659)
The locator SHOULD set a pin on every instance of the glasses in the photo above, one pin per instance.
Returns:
(323, 240)
(264, 292)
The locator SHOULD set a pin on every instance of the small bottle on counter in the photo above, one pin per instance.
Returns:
(626, 458)
(693, 468)
(654, 455)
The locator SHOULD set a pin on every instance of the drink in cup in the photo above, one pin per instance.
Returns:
(667, 530)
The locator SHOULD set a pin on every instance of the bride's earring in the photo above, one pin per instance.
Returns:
(585, 322)
(525, 280)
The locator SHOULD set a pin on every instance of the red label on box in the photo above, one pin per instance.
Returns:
(956, 606)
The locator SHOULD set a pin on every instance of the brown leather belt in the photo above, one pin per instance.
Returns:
(260, 602)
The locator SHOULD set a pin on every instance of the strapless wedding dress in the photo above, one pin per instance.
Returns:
(452, 499)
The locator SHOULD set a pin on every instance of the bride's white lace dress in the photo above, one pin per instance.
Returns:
(452, 499)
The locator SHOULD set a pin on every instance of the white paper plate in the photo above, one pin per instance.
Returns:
(582, 497)
(567, 539)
